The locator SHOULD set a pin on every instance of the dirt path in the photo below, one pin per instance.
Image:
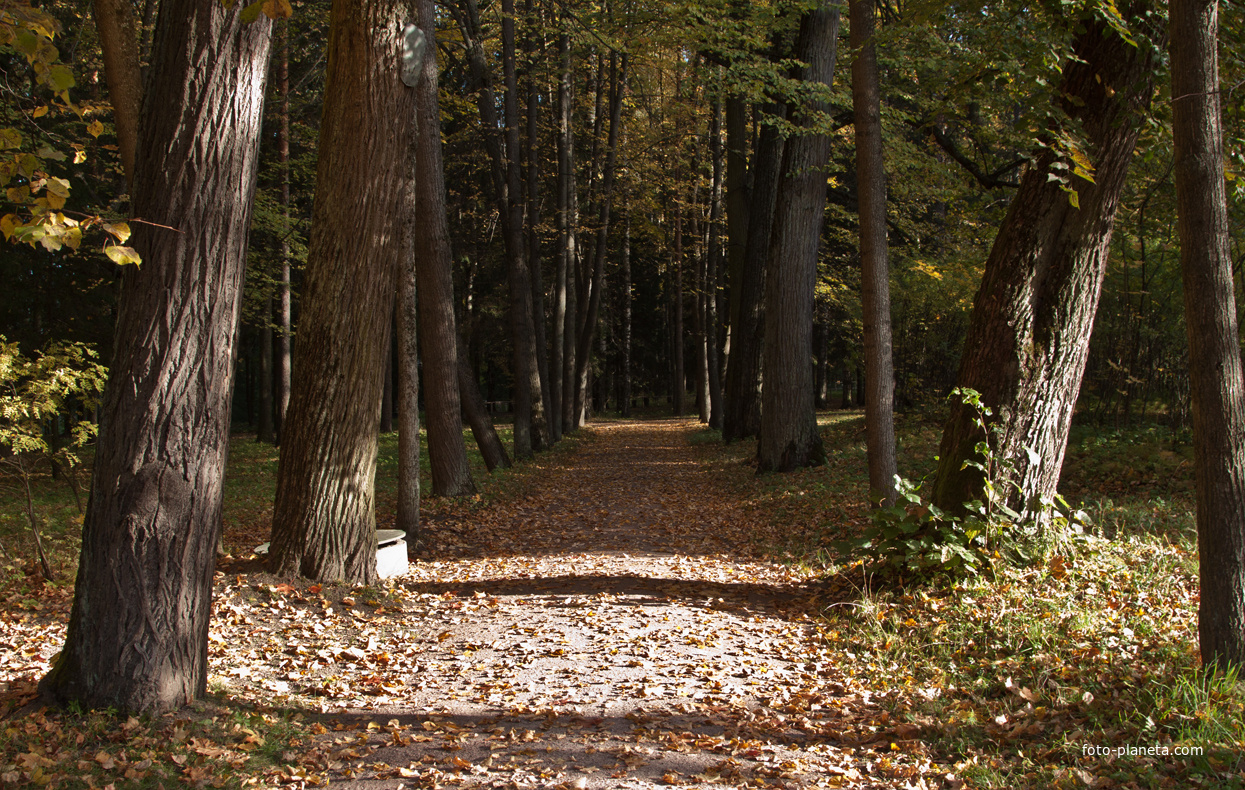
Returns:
(606, 630)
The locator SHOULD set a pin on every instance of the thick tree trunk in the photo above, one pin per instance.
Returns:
(742, 417)
(1216, 385)
(438, 333)
(789, 436)
(875, 276)
(324, 522)
(137, 637)
(1029, 335)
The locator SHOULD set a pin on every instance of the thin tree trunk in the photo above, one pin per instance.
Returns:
(712, 267)
(476, 412)
(324, 521)
(789, 436)
(738, 200)
(1029, 336)
(137, 637)
(532, 179)
(1216, 384)
(565, 260)
(407, 341)
(678, 378)
(625, 406)
(618, 83)
(875, 277)
(438, 332)
(118, 41)
(286, 328)
(386, 395)
(265, 432)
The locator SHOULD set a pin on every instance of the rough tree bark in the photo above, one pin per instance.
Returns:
(789, 437)
(118, 41)
(1029, 335)
(438, 333)
(1216, 385)
(324, 522)
(875, 277)
(713, 265)
(286, 327)
(137, 637)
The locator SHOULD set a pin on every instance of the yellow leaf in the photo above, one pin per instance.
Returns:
(79, 157)
(55, 201)
(122, 255)
(40, 111)
(95, 128)
(119, 230)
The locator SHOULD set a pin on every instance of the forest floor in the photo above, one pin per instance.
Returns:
(619, 613)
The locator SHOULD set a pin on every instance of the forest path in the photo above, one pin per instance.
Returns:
(608, 628)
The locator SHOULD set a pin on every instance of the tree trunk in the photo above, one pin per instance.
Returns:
(618, 83)
(386, 395)
(324, 522)
(874, 277)
(713, 265)
(438, 332)
(789, 436)
(284, 343)
(1216, 386)
(118, 41)
(265, 432)
(407, 342)
(534, 258)
(137, 637)
(742, 417)
(624, 407)
(476, 412)
(565, 260)
(678, 378)
(1029, 334)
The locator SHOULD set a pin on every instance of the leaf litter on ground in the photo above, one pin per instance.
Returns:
(641, 610)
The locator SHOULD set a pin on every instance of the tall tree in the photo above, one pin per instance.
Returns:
(137, 637)
(596, 280)
(1216, 383)
(875, 270)
(1029, 336)
(789, 436)
(438, 333)
(324, 522)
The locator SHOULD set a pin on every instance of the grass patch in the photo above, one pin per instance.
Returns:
(1039, 676)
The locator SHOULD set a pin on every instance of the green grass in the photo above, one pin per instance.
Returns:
(1012, 676)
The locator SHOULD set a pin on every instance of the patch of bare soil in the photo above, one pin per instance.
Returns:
(613, 627)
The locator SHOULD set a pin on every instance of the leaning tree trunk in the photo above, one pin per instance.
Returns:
(324, 521)
(137, 637)
(476, 412)
(1029, 336)
(1216, 384)
(789, 436)
(874, 276)
(438, 334)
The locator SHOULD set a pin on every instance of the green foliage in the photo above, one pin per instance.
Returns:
(916, 538)
(34, 391)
